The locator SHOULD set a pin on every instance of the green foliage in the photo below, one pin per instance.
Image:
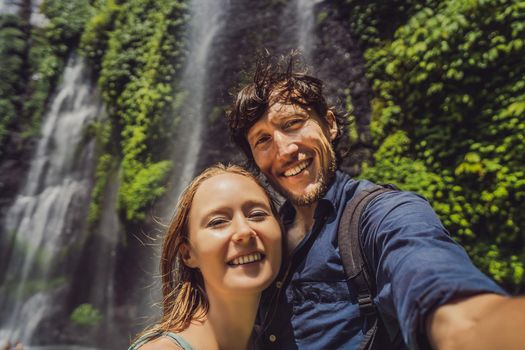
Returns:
(321, 17)
(104, 166)
(448, 120)
(144, 184)
(33, 286)
(138, 46)
(86, 315)
(32, 60)
(12, 56)
(143, 53)
(107, 163)
(48, 52)
(46, 65)
(66, 21)
(96, 32)
(373, 22)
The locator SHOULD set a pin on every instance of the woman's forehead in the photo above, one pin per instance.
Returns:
(228, 187)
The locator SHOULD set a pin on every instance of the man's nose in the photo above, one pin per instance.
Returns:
(243, 231)
(285, 145)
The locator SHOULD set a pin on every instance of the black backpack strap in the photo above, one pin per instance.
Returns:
(354, 263)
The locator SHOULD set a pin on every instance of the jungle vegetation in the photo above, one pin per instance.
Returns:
(448, 104)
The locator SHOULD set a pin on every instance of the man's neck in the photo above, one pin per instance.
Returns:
(302, 224)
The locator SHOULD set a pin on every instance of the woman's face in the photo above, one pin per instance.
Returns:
(234, 239)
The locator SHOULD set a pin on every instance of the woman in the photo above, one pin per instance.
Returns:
(222, 248)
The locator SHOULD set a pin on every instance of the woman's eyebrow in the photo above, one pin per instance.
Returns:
(256, 203)
(207, 215)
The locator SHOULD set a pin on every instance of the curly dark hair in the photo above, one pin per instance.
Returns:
(275, 81)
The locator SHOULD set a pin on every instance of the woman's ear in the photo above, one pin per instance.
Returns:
(332, 124)
(187, 255)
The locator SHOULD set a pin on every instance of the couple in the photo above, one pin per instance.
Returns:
(223, 248)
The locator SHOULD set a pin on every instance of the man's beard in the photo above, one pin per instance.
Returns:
(316, 193)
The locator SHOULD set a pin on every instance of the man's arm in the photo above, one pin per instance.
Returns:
(485, 321)
(425, 278)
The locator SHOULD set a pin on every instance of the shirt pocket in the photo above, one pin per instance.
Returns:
(320, 292)
(322, 307)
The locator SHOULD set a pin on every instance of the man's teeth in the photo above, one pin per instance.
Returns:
(246, 259)
(296, 169)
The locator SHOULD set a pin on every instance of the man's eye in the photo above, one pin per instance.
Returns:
(261, 140)
(216, 222)
(292, 122)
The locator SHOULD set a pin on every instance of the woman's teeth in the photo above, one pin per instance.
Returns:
(246, 259)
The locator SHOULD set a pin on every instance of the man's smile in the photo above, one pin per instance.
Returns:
(298, 168)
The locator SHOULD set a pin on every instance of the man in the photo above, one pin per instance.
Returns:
(428, 293)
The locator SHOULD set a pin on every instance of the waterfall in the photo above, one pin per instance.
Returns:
(205, 25)
(37, 19)
(14, 7)
(207, 20)
(305, 28)
(297, 29)
(9, 7)
(53, 263)
(45, 225)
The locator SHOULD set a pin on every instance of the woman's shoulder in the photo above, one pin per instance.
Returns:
(162, 341)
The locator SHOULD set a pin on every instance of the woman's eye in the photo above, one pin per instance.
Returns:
(258, 215)
(216, 222)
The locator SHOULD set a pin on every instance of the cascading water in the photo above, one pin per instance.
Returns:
(46, 224)
(297, 29)
(207, 20)
(9, 7)
(305, 27)
(205, 24)
(37, 19)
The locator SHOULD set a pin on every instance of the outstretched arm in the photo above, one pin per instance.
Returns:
(485, 321)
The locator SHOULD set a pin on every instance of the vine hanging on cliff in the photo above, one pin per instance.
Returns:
(143, 53)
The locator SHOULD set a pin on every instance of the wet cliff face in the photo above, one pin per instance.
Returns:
(115, 276)
(45, 226)
(341, 65)
(15, 150)
(328, 48)
(20, 26)
(252, 27)
(113, 268)
(15, 162)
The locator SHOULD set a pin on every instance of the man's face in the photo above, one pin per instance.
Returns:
(292, 147)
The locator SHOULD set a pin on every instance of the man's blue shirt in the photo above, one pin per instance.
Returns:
(417, 267)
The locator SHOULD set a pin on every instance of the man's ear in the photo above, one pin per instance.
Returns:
(187, 255)
(332, 124)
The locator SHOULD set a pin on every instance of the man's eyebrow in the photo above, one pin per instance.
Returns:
(295, 111)
(254, 135)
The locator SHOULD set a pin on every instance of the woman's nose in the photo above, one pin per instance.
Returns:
(243, 231)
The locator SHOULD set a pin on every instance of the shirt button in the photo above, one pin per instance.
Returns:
(278, 284)
(272, 338)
